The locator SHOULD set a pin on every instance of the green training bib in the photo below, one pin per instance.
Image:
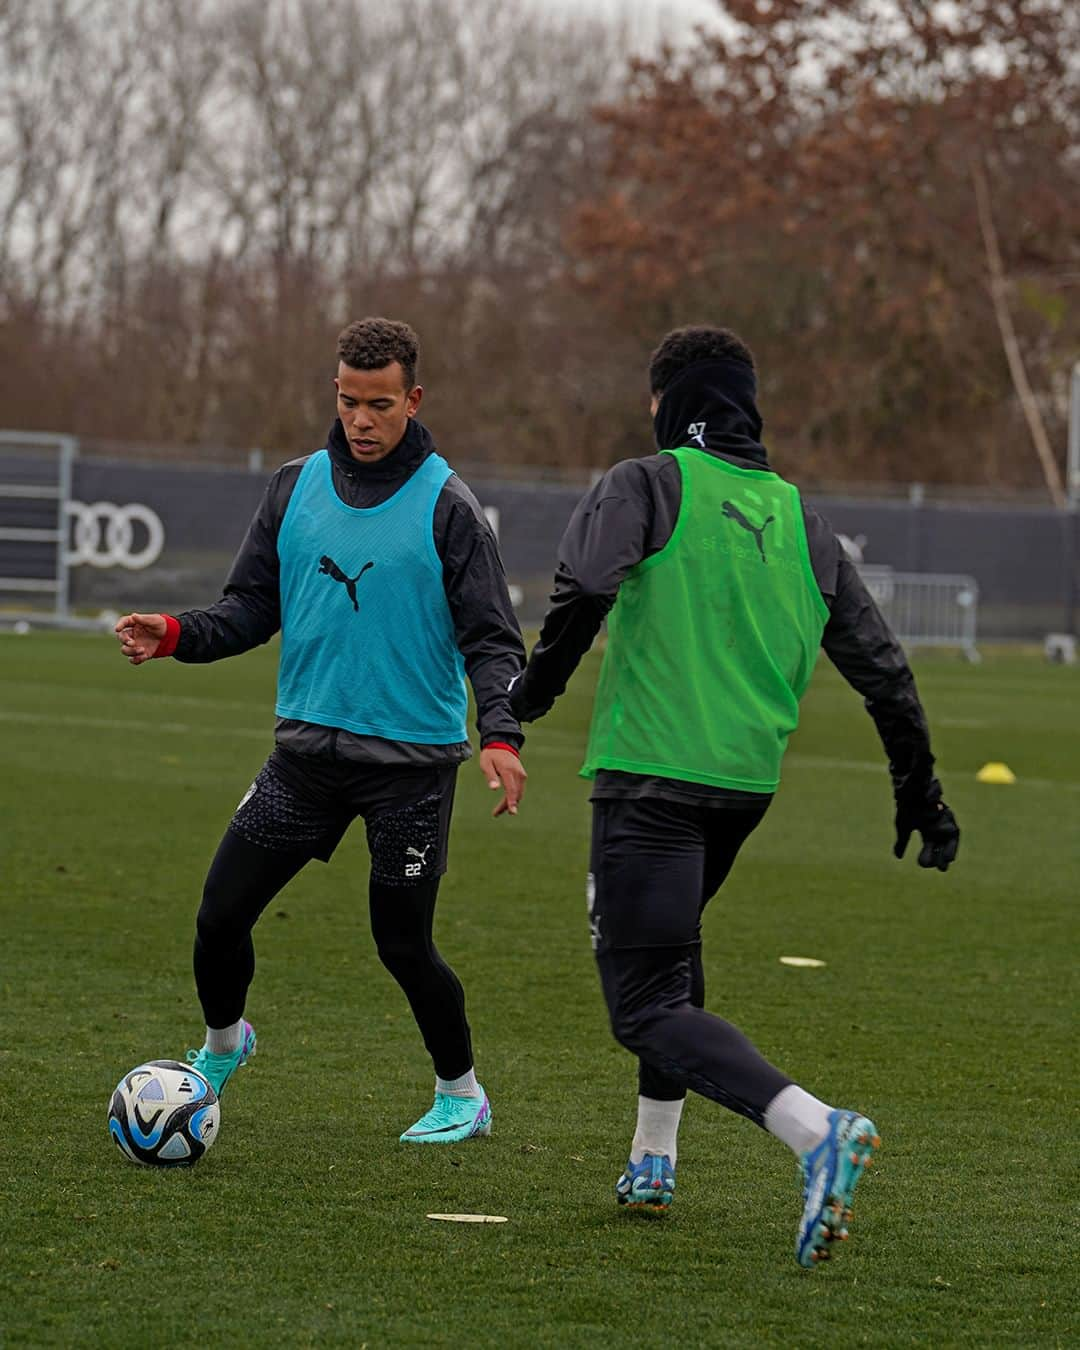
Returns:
(712, 641)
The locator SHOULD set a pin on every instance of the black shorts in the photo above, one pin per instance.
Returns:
(654, 865)
(299, 803)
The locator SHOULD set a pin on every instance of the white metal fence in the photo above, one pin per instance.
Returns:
(927, 609)
(35, 488)
(81, 535)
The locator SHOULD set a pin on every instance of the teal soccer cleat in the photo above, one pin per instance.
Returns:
(649, 1184)
(218, 1069)
(830, 1174)
(451, 1120)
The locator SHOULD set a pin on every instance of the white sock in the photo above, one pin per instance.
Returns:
(465, 1086)
(657, 1129)
(798, 1119)
(225, 1040)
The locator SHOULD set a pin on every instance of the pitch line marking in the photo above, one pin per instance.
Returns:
(126, 724)
(866, 766)
(469, 1218)
(795, 761)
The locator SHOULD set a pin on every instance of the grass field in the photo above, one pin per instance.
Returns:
(946, 1011)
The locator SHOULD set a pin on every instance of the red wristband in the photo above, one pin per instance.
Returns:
(167, 645)
(501, 745)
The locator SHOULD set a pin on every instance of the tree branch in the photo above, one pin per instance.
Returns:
(998, 290)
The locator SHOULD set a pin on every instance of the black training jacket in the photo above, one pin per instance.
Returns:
(486, 629)
(630, 514)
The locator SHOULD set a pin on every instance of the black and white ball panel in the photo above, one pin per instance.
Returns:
(164, 1114)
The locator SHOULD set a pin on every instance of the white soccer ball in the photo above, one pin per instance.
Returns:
(164, 1114)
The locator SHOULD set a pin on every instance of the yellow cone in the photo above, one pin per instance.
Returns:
(995, 772)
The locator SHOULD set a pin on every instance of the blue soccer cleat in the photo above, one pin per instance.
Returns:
(830, 1174)
(218, 1069)
(451, 1120)
(649, 1184)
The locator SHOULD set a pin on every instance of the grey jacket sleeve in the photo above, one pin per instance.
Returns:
(485, 626)
(249, 612)
(862, 647)
(617, 523)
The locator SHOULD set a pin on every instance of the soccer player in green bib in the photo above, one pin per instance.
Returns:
(719, 586)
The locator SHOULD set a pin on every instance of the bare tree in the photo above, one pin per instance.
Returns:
(214, 185)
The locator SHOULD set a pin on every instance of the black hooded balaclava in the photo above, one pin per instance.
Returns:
(711, 405)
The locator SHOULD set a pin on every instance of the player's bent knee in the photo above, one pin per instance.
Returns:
(402, 959)
(630, 1028)
(215, 928)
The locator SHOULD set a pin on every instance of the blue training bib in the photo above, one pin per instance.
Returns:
(367, 638)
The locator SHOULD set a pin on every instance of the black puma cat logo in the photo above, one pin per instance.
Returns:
(330, 568)
(732, 512)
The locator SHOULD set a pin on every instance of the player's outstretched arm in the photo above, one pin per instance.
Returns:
(486, 629)
(607, 535)
(861, 645)
(249, 612)
(486, 632)
(142, 636)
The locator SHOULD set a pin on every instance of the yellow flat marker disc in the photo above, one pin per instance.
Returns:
(995, 772)
(469, 1218)
(807, 961)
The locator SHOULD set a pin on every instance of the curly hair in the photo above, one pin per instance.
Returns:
(373, 343)
(684, 347)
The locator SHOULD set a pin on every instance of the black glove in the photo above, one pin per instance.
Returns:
(938, 827)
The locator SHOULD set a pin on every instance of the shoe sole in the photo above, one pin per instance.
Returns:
(645, 1206)
(659, 1202)
(856, 1155)
(654, 1197)
(480, 1133)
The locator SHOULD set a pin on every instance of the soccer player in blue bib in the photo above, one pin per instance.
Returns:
(375, 562)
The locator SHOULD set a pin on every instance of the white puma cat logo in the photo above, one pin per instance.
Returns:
(415, 869)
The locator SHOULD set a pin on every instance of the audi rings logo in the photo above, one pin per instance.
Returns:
(106, 535)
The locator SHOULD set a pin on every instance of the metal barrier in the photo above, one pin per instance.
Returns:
(35, 488)
(927, 609)
(135, 533)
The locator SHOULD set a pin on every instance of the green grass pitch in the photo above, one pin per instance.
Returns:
(946, 1010)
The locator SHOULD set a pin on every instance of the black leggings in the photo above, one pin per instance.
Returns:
(244, 878)
(655, 865)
